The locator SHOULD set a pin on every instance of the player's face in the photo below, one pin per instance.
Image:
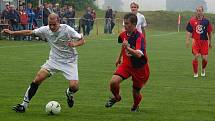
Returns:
(199, 12)
(134, 8)
(128, 25)
(54, 25)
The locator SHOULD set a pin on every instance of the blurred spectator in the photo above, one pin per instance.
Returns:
(5, 11)
(31, 17)
(38, 15)
(23, 20)
(13, 17)
(88, 20)
(81, 25)
(45, 14)
(50, 8)
(113, 21)
(108, 19)
(69, 16)
(93, 14)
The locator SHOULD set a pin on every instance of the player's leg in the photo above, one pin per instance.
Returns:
(204, 64)
(32, 89)
(195, 65)
(204, 53)
(70, 72)
(196, 54)
(115, 89)
(73, 88)
(137, 97)
(120, 74)
(139, 77)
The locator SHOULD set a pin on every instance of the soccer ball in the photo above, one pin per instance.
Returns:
(53, 107)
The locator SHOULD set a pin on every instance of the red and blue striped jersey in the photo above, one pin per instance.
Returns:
(136, 42)
(199, 28)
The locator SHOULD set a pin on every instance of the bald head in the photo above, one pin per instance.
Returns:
(199, 12)
(54, 22)
(200, 8)
(53, 16)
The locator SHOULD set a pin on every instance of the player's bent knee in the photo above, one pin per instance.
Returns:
(114, 82)
(41, 76)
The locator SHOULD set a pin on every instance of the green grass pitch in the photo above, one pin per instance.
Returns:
(171, 94)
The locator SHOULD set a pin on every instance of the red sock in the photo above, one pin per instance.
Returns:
(195, 66)
(115, 91)
(204, 64)
(137, 99)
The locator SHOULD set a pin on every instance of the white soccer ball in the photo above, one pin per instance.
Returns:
(53, 107)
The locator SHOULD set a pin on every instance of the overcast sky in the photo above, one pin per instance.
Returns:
(159, 4)
(211, 4)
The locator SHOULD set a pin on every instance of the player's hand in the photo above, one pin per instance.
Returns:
(71, 44)
(125, 44)
(7, 31)
(210, 45)
(118, 62)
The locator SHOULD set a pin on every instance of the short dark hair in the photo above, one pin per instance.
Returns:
(131, 17)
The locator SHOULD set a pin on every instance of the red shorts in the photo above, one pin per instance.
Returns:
(139, 75)
(200, 47)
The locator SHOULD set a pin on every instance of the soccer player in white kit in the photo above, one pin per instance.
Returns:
(63, 57)
(141, 21)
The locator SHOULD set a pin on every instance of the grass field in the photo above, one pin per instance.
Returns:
(171, 94)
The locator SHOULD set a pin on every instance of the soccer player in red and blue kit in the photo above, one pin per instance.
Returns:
(199, 28)
(132, 61)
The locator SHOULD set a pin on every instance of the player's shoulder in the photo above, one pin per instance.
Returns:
(140, 15)
(205, 19)
(123, 33)
(66, 27)
(193, 19)
(139, 34)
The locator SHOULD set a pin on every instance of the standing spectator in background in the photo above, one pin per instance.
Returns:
(88, 20)
(50, 8)
(45, 14)
(14, 19)
(93, 14)
(108, 19)
(72, 10)
(31, 17)
(200, 29)
(23, 20)
(69, 15)
(141, 21)
(113, 21)
(38, 15)
(5, 11)
(81, 25)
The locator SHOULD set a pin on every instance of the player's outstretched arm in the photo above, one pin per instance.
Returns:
(22, 32)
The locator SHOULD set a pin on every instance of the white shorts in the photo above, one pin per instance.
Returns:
(69, 70)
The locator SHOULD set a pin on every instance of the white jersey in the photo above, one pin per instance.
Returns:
(141, 22)
(60, 51)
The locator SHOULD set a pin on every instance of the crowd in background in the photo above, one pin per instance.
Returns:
(29, 17)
